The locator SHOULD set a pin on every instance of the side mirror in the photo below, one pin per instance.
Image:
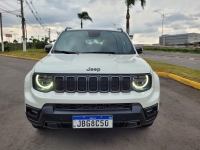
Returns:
(131, 37)
(139, 49)
(48, 48)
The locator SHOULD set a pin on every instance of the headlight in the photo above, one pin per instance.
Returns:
(141, 82)
(42, 82)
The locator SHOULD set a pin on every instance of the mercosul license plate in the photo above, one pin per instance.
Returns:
(92, 121)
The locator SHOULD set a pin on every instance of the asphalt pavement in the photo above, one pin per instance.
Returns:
(179, 59)
(177, 126)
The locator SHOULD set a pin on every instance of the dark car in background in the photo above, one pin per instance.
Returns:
(47, 48)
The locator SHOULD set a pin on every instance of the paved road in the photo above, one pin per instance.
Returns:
(176, 127)
(179, 59)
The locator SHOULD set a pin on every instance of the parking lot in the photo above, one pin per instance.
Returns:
(176, 127)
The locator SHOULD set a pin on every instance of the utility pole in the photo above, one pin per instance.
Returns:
(163, 18)
(23, 26)
(26, 32)
(2, 44)
(49, 35)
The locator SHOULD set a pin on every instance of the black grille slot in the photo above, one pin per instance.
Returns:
(93, 84)
(104, 85)
(82, 84)
(59, 84)
(126, 84)
(71, 84)
(115, 86)
(92, 106)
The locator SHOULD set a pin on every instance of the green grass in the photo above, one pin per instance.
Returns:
(30, 53)
(157, 66)
(172, 49)
(184, 72)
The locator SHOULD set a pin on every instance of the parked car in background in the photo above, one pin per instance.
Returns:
(47, 48)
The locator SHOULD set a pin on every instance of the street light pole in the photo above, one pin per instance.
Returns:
(163, 15)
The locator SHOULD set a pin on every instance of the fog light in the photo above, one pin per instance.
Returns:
(151, 112)
(32, 113)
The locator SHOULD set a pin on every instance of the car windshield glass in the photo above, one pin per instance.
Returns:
(94, 41)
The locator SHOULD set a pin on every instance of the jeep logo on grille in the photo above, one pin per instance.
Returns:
(93, 69)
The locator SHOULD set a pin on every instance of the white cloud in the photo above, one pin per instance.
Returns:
(145, 24)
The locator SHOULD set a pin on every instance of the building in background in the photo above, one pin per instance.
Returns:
(179, 39)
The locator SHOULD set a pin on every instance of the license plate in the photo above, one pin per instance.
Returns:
(92, 121)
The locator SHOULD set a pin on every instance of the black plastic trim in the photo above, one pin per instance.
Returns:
(86, 86)
(100, 84)
(111, 78)
(63, 84)
(126, 91)
(49, 114)
(74, 84)
(89, 83)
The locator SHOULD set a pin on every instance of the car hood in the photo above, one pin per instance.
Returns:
(100, 63)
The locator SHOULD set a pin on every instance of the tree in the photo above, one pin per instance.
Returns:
(186, 43)
(129, 3)
(195, 44)
(84, 16)
(5, 42)
(15, 41)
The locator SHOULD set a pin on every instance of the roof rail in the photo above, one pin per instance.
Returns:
(120, 29)
(67, 28)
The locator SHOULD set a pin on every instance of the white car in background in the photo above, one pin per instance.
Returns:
(92, 78)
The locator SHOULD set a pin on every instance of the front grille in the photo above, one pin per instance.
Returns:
(104, 85)
(115, 85)
(70, 84)
(59, 84)
(92, 106)
(93, 84)
(82, 84)
(126, 83)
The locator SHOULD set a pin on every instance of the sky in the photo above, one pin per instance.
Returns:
(183, 16)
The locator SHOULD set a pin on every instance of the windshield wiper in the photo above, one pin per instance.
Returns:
(64, 52)
(101, 52)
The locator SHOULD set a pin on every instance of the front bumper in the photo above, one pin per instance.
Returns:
(51, 117)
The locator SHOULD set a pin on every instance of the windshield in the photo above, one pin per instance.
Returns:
(94, 41)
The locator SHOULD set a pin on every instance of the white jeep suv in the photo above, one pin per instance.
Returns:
(92, 78)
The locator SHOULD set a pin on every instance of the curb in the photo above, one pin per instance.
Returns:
(19, 57)
(162, 74)
(180, 79)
